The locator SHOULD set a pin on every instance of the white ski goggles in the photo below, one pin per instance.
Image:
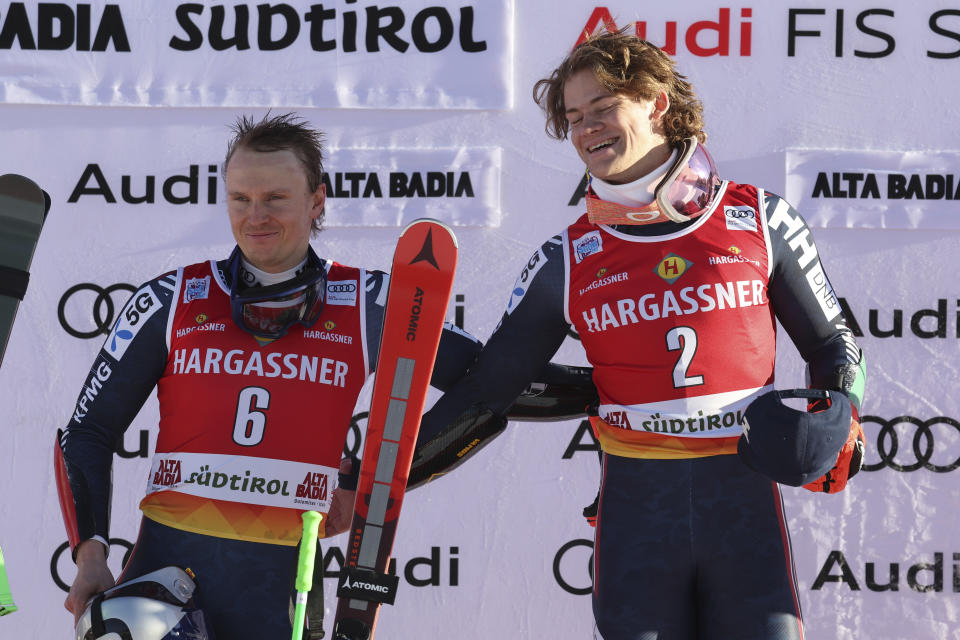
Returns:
(686, 191)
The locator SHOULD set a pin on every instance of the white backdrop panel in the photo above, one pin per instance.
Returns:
(415, 54)
(791, 91)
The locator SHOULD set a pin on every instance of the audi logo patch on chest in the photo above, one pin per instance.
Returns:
(742, 218)
(342, 292)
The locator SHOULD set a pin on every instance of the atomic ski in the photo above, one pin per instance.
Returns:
(23, 207)
(420, 282)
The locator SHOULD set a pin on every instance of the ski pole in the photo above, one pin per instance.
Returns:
(304, 581)
(6, 598)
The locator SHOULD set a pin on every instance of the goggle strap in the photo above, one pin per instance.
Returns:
(683, 158)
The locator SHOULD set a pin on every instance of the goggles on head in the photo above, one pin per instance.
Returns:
(686, 191)
(268, 312)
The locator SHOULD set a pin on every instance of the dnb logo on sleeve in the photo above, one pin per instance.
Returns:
(143, 304)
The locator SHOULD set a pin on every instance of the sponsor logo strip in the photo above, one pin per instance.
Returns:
(263, 481)
(709, 416)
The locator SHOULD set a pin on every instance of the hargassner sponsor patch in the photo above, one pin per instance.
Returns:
(342, 292)
(742, 218)
(587, 245)
(533, 265)
(143, 304)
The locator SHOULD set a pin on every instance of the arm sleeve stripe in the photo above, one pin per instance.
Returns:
(67, 506)
(564, 238)
(762, 207)
(176, 298)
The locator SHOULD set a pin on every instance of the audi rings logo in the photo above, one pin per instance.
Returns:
(354, 443)
(342, 287)
(88, 298)
(568, 567)
(61, 556)
(906, 444)
(739, 213)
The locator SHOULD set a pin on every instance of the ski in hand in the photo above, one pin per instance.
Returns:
(23, 206)
(420, 282)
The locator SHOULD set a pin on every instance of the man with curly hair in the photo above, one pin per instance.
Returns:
(674, 280)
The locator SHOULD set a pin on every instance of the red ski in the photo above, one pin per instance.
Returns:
(420, 282)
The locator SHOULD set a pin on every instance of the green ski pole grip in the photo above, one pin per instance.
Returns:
(304, 581)
(308, 550)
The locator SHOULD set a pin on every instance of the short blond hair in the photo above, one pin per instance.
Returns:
(287, 131)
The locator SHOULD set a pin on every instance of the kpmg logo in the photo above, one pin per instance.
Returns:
(99, 375)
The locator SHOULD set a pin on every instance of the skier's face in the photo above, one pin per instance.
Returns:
(271, 207)
(619, 139)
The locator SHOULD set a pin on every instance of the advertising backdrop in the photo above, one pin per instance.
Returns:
(120, 111)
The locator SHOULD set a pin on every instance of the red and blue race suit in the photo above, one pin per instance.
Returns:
(250, 434)
(679, 322)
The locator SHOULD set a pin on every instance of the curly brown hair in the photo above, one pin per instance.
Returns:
(624, 63)
(282, 132)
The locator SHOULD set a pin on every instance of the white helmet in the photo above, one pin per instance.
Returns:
(157, 606)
